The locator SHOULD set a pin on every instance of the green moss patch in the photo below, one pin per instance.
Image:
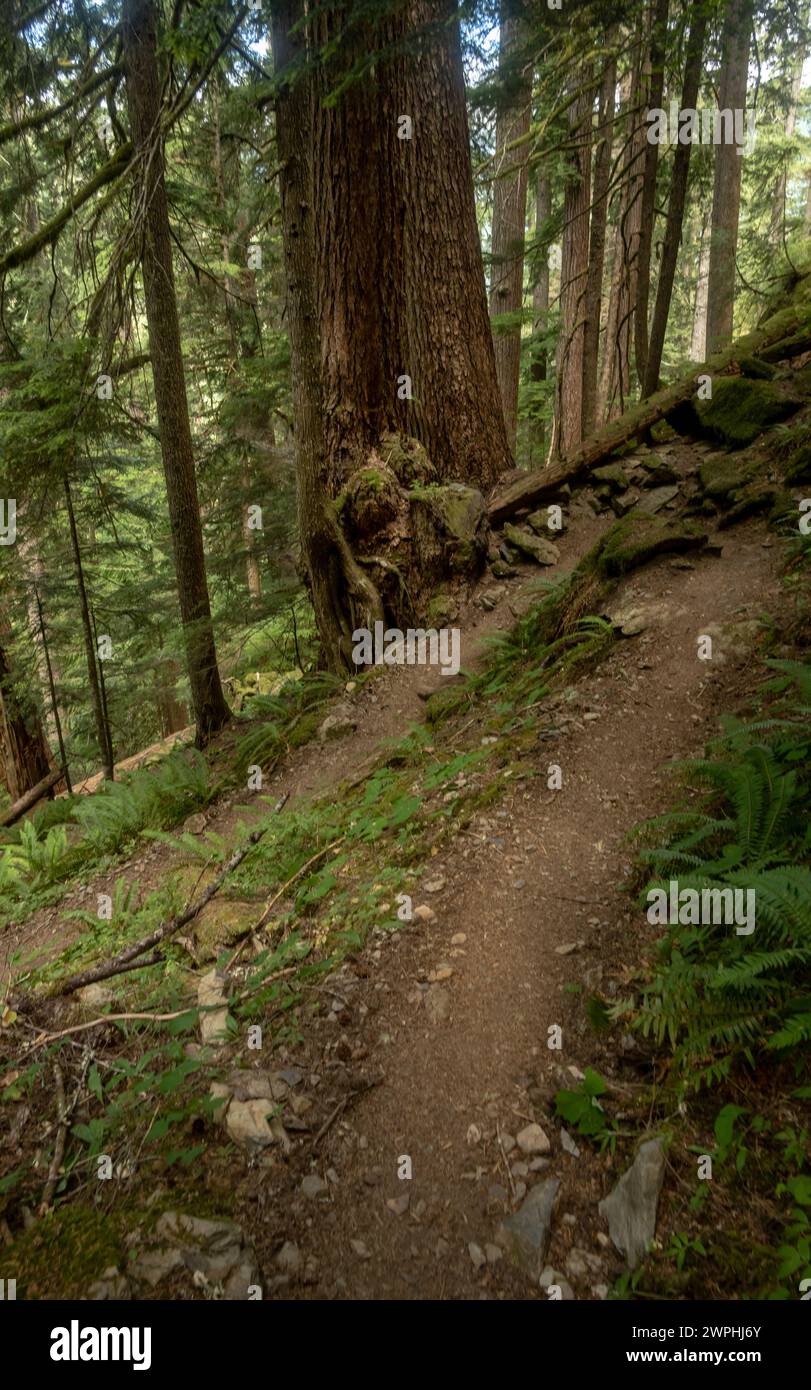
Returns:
(64, 1252)
(742, 408)
(637, 538)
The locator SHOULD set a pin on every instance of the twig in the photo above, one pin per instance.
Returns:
(504, 1157)
(271, 902)
(113, 1018)
(331, 1118)
(343, 1103)
(155, 1018)
(59, 1146)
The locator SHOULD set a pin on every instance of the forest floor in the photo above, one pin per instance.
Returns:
(431, 1042)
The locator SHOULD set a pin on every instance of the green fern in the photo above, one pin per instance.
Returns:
(715, 996)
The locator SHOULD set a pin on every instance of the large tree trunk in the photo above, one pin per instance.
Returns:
(400, 281)
(457, 411)
(574, 272)
(615, 377)
(726, 196)
(342, 596)
(510, 208)
(599, 211)
(391, 345)
(144, 101)
(656, 79)
(675, 208)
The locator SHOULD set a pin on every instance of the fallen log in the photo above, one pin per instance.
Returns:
(782, 328)
(31, 797)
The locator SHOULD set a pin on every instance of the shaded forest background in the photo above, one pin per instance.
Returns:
(495, 261)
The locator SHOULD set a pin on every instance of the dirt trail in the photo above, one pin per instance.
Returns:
(382, 710)
(539, 874)
(530, 919)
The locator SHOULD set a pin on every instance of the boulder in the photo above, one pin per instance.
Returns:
(742, 408)
(525, 1234)
(542, 551)
(630, 1209)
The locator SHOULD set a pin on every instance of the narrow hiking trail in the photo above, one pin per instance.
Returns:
(431, 1044)
(455, 1012)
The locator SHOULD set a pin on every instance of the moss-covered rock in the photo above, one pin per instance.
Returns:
(61, 1256)
(537, 548)
(449, 526)
(741, 409)
(637, 538)
(755, 369)
(722, 474)
(538, 521)
(442, 610)
(220, 925)
(613, 474)
(657, 471)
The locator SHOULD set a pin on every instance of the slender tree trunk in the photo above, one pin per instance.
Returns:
(102, 732)
(144, 100)
(675, 209)
(698, 340)
(540, 307)
(52, 689)
(105, 708)
(599, 212)
(574, 272)
(778, 225)
(510, 207)
(656, 79)
(726, 196)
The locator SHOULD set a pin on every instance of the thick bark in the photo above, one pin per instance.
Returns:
(401, 285)
(594, 282)
(726, 196)
(656, 79)
(510, 207)
(457, 411)
(675, 208)
(615, 377)
(574, 272)
(342, 596)
(144, 100)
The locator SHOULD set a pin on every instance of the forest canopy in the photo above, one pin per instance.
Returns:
(286, 290)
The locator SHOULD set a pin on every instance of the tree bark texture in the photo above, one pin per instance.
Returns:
(144, 100)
